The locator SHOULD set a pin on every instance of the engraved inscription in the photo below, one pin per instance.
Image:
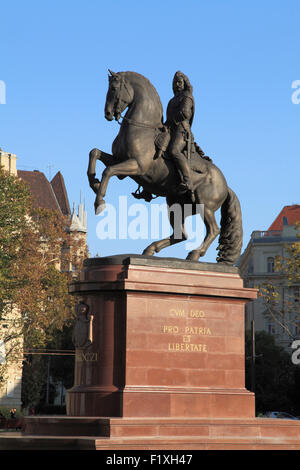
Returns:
(187, 347)
(197, 314)
(197, 330)
(188, 332)
(181, 313)
(170, 329)
(177, 313)
(87, 357)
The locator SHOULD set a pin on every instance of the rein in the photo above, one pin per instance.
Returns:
(139, 124)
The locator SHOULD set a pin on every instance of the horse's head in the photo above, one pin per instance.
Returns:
(119, 96)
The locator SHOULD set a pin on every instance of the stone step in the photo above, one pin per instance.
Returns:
(153, 428)
(141, 443)
(197, 443)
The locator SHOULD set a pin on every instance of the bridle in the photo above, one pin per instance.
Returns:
(119, 100)
(139, 124)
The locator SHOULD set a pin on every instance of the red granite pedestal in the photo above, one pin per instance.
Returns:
(168, 342)
(166, 366)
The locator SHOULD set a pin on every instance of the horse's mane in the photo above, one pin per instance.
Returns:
(141, 79)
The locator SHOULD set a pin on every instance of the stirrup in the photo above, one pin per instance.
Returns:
(184, 188)
(138, 194)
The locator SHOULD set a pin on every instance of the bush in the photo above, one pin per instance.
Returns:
(275, 375)
(5, 412)
(50, 410)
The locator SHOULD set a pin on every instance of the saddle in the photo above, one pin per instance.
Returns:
(198, 160)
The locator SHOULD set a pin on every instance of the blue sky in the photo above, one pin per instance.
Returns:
(241, 58)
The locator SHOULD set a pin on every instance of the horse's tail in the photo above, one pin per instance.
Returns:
(231, 235)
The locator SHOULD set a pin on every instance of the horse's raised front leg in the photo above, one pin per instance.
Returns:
(127, 168)
(95, 155)
(212, 230)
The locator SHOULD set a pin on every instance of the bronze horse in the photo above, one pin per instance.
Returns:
(134, 154)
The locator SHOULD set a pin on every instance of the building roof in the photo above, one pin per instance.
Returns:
(42, 191)
(288, 216)
(60, 191)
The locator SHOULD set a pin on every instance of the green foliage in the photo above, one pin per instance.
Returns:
(284, 310)
(35, 301)
(275, 375)
(62, 366)
(5, 412)
(43, 409)
(59, 367)
(290, 264)
(14, 202)
(33, 378)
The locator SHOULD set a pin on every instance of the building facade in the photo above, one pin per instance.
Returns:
(258, 269)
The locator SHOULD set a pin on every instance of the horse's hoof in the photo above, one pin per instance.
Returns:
(148, 252)
(193, 256)
(99, 207)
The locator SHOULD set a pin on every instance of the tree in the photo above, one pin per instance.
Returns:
(43, 370)
(14, 201)
(54, 369)
(34, 292)
(62, 366)
(285, 309)
(275, 375)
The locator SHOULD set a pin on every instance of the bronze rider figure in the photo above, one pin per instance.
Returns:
(180, 114)
(176, 136)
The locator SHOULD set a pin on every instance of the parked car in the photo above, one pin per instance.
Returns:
(278, 415)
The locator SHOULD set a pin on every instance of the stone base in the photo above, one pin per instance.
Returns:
(168, 340)
(163, 402)
(165, 365)
(77, 433)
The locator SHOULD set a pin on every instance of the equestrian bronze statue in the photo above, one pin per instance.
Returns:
(163, 159)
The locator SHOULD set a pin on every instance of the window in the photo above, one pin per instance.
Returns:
(271, 328)
(10, 387)
(270, 264)
(2, 352)
(250, 266)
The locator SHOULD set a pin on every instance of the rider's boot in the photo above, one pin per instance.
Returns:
(184, 171)
(186, 187)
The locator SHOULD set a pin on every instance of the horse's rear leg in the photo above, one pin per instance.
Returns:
(127, 168)
(212, 230)
(179, 234)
